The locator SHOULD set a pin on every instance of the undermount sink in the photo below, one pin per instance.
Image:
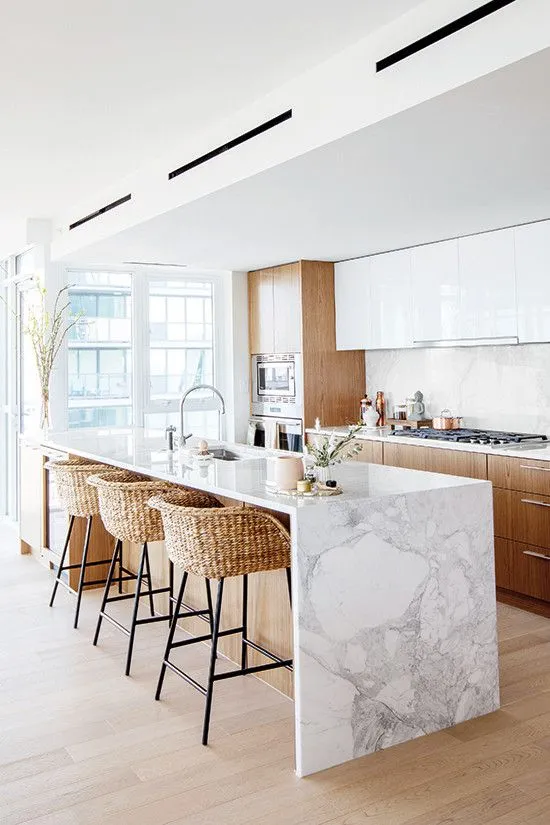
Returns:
(224, 455)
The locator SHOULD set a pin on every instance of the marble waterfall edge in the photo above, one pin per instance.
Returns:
(411, 647)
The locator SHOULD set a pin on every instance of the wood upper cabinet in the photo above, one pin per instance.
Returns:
(287, 309)
(275, 309)
(436, 460)
(261, 311)
(487, 285)
(533, 281)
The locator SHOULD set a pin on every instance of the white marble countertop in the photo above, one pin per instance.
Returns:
(541, 453)
(144, 451)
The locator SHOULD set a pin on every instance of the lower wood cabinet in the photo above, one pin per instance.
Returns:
(523, 517)
(436, 460)
(523, 568)
(372, 452)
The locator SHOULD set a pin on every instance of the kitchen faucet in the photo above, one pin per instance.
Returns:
(221, 410)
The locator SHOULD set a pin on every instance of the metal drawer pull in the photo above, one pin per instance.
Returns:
(532, 501)
(540, 469)
(535, 555)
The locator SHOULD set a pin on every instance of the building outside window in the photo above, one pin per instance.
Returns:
(141, 342)
(100, 350)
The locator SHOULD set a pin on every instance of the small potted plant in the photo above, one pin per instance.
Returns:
(328, 450)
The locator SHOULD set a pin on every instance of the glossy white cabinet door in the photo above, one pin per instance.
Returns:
(352, 298)
(533, 281)
(391, 301)
(436, 292)
(487, 285)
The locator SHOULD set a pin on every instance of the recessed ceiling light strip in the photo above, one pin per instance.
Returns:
(252, 133)
(440, 34)
(102, 211)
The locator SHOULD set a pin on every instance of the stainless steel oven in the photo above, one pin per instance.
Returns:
(276, 433)
(277, 385)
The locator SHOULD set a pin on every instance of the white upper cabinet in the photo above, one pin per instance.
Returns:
(533, 281)
(487, 286)
(351, 287)
(436, 292)
(390, 301)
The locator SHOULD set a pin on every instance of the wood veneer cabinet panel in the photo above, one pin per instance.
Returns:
(372, 452)
(522, 568)
(287, 308)
(520, 474)
(523, 517)
(261, 311)
(333, 380)
(448, 462)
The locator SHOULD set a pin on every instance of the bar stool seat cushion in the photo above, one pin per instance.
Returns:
(123, 498)
(233, 541)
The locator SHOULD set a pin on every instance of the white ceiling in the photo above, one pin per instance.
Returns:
(91, 91)
(473, 159)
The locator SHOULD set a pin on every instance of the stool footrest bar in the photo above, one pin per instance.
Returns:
(188, 679)
(249, 670)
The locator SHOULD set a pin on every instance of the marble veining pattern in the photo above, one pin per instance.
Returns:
(493, 387)
(411, 648)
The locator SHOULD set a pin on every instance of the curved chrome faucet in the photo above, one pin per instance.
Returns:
(221, 411)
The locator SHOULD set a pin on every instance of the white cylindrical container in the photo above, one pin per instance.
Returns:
(284, 471)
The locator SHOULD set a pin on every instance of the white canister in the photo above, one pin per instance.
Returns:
(284, 471)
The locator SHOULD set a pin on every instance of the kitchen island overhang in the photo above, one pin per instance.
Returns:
(394, 608)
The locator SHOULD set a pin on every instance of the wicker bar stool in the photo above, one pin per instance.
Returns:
(79, 500)
(218, 544)
(123, 507)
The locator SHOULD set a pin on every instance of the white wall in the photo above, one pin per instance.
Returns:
(237, 373)
(504, 387)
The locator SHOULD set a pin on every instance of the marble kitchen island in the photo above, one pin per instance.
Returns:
(394, 610)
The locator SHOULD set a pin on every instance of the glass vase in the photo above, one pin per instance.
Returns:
(45, 413)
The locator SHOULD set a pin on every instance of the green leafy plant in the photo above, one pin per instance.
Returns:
(334, 448)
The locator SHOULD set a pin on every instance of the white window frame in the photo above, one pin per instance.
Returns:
(140, 400)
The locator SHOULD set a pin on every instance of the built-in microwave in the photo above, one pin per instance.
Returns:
(277, 385)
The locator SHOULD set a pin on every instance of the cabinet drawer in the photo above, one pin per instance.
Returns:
(523, 517)
(436, 460)
(520, 474)
(523, 568)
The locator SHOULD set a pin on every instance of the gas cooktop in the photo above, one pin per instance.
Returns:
(471, 436)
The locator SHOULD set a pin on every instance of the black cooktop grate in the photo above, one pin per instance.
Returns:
(470, 436)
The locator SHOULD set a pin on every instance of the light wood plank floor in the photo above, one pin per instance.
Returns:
(80, 744)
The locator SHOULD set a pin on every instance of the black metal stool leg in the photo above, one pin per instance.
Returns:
(62, 561)
(209, 603)
(135, 610)
(171, 586)
(212, 668)
(120, 571)
(244, 646)
(148, 576)
(83, 569)
(173, 625)
(289, 584)
(117, 551)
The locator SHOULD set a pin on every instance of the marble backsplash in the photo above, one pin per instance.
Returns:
(501, 387)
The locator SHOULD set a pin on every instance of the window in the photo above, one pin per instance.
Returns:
(100, 350)
(118, 377)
